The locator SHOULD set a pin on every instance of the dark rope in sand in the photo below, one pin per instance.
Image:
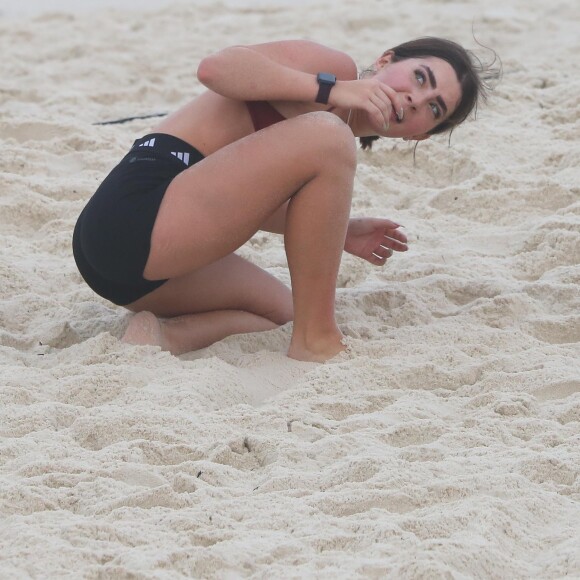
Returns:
(128, 119)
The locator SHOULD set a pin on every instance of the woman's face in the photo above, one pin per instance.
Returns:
(428, 88)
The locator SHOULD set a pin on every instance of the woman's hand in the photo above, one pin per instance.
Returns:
(383, 104)
(374, 239)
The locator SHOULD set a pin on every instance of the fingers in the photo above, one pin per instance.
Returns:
(382, 103)
(381, 111)
(388, 246)
(396, 100)
(385, 251)
(395, 245)
(396, 240)
(390, 224)
(381, 255)
(390, 106)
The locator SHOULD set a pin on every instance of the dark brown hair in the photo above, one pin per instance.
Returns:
(473, 76)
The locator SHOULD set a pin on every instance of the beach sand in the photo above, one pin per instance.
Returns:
(447, 447)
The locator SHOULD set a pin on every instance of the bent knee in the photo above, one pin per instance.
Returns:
(329, 135)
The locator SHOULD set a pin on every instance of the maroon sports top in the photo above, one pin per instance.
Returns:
(263, 114)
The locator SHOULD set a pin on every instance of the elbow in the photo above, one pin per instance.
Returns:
(206, 71)
(212, 68)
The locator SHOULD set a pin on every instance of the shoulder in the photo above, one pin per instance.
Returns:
(309, 56)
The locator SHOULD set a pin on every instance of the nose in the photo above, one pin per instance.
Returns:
(414, 101)
(410, 103)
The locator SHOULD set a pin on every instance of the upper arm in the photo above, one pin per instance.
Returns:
(309, 57)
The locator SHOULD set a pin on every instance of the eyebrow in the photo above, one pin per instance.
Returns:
(433, 82)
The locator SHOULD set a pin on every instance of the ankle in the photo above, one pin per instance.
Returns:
(316, 346)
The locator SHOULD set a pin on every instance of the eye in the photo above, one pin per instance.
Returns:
(435, 110)
(420, 77)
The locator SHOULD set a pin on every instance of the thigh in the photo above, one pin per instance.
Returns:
(231, 283)
(214, 207)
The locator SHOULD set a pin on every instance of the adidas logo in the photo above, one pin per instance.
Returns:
(183, 156)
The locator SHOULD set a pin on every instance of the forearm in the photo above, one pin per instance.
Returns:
(242, 73)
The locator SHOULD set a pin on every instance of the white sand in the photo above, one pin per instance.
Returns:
(449, 448)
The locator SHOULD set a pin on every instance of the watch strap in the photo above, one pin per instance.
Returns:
(325, 83)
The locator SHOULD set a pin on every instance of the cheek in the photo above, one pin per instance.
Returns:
(422, 122)
(394, 78)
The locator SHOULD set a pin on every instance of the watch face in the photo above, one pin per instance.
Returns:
(326, 78)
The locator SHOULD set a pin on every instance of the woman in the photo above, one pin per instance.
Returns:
(268, 147)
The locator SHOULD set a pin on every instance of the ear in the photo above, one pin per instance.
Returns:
(385, 59)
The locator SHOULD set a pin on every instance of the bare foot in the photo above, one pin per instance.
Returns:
(144, 328)
(318, 351)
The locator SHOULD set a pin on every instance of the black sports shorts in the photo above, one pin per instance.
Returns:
(112, 236)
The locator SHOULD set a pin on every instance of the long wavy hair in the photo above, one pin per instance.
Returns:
(473, 75)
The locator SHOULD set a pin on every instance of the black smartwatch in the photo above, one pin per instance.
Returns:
(325, 82)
